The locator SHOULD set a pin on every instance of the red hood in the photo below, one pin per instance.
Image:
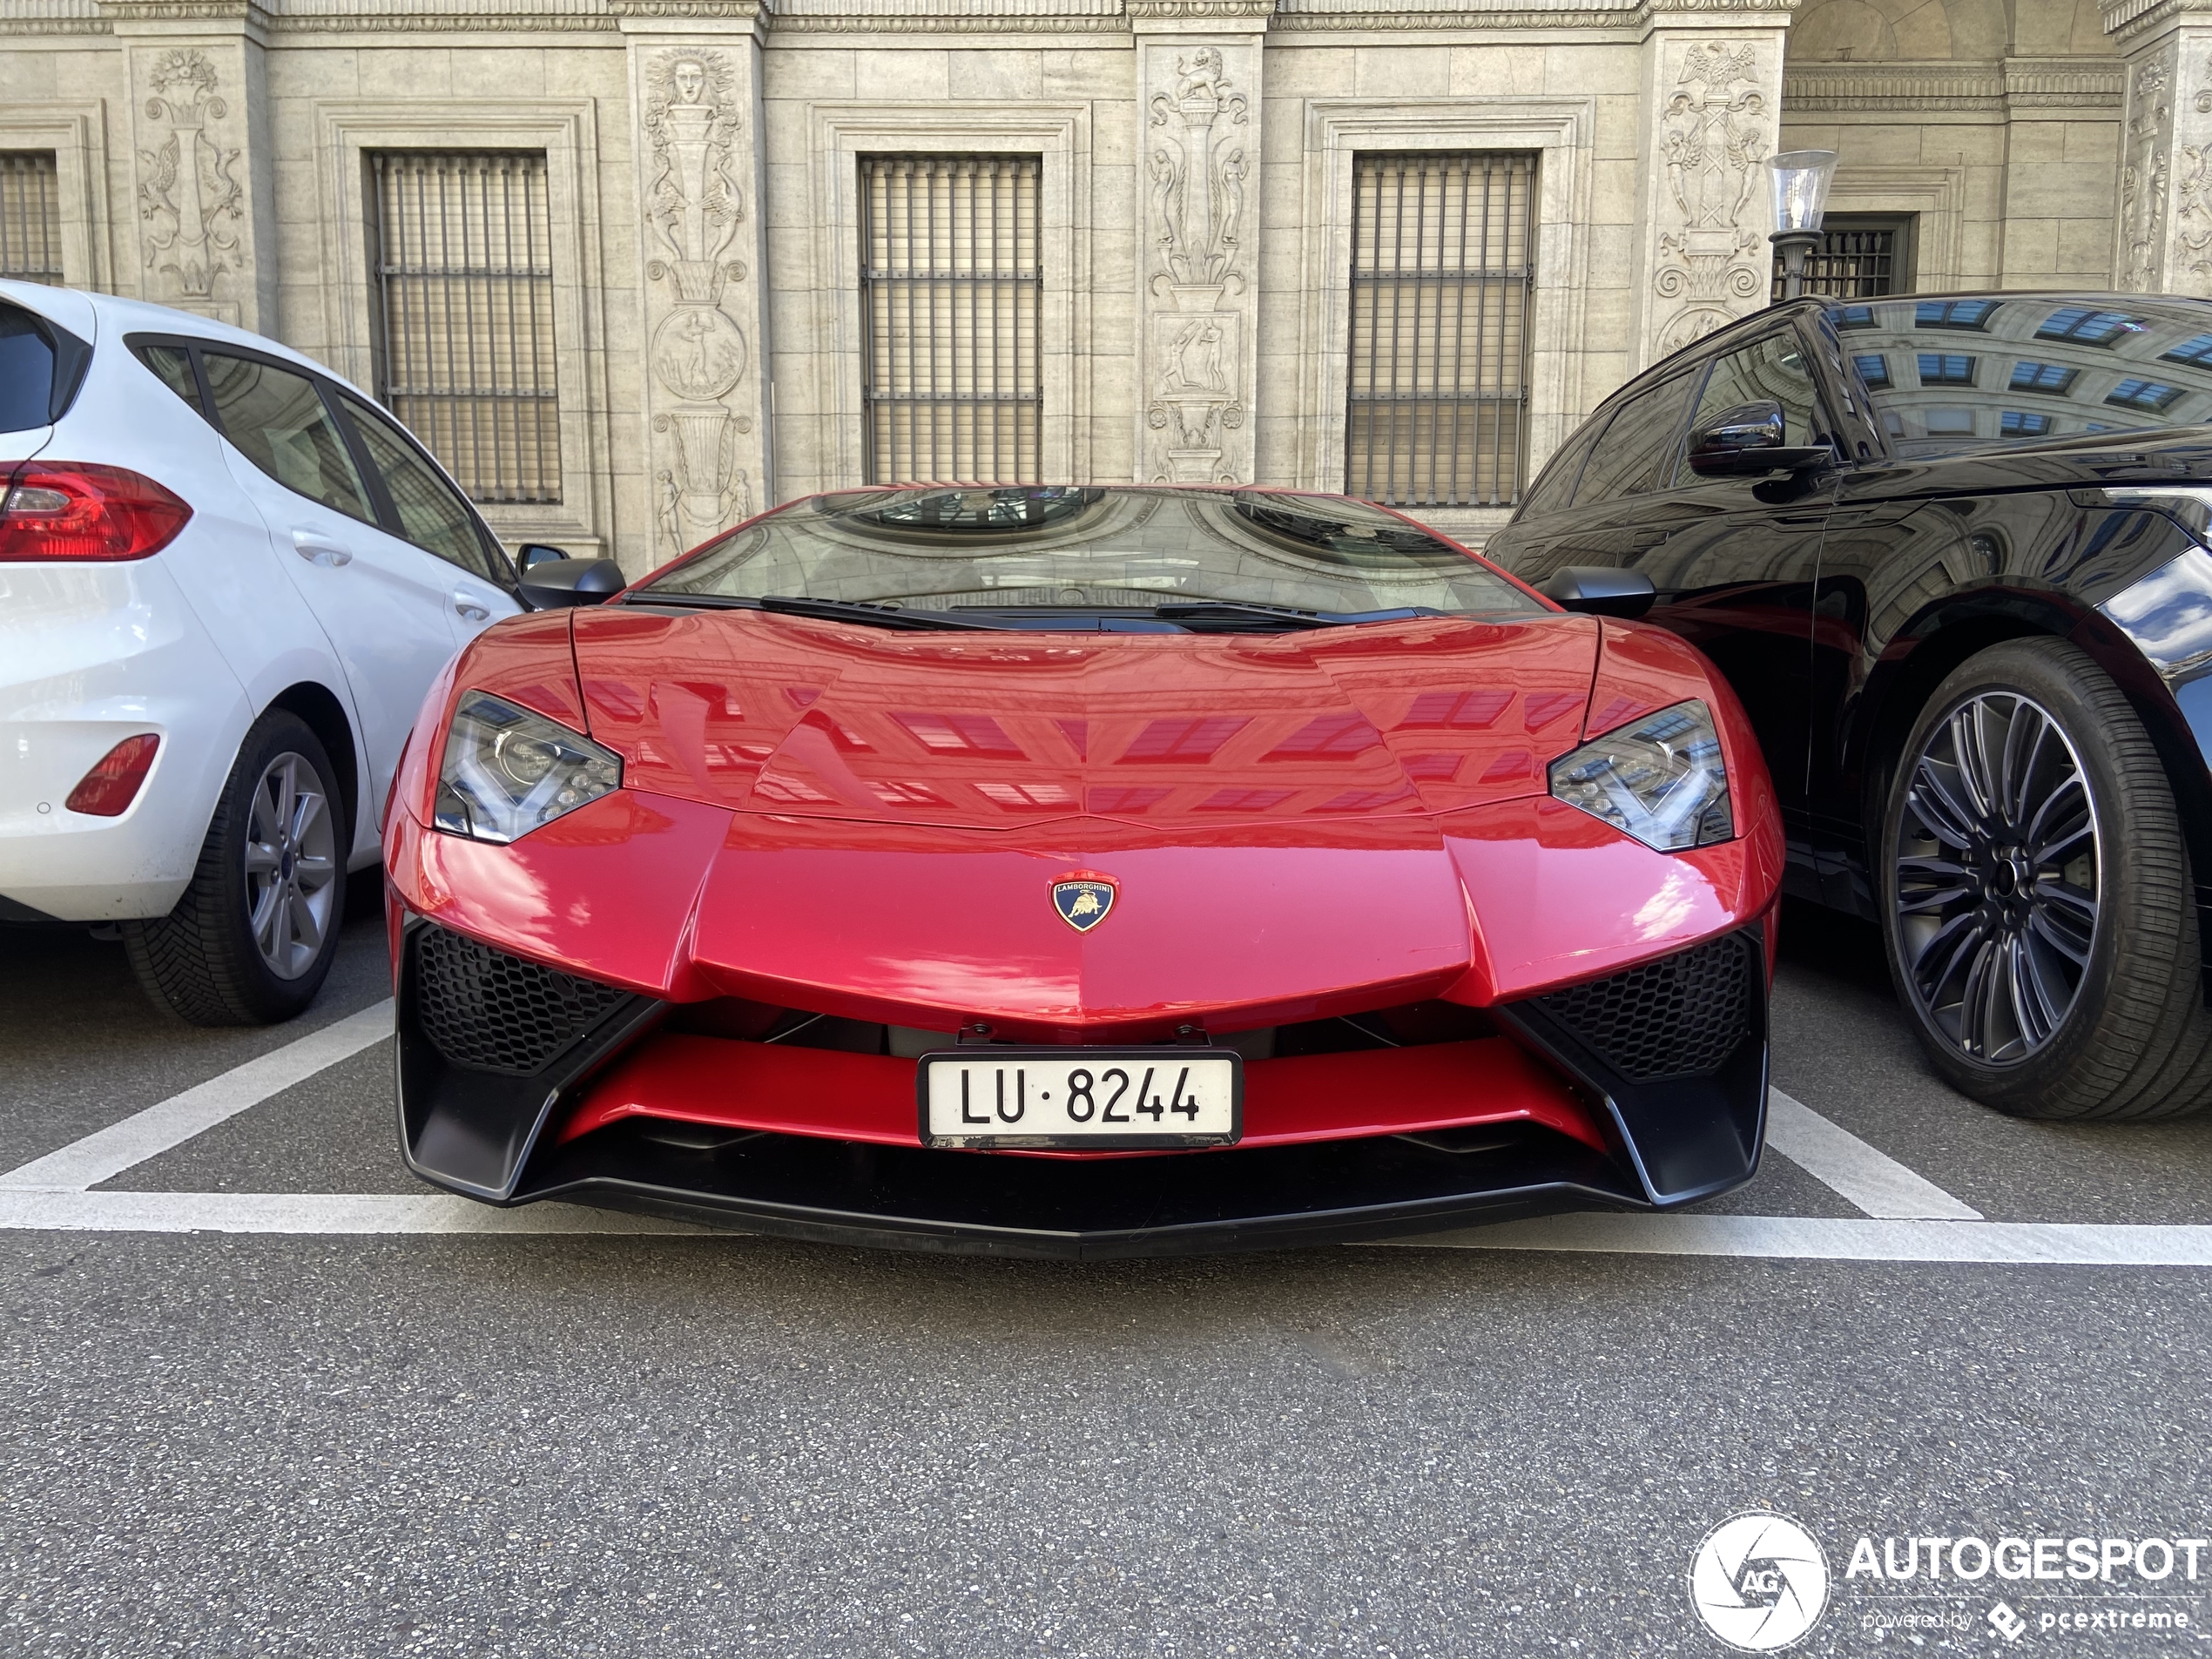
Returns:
(1337, 879)
(815, 719)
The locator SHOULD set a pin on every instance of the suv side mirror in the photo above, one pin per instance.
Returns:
(537, 553)
(1600, 590)
(548, 584)
(1746, 442)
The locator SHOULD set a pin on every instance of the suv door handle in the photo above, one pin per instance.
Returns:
(470, 607)
(318, 548)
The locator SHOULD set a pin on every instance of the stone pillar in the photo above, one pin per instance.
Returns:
(2162, 241)
(702, 272)
(1712, 103)
(203, 172)
(1197, 301)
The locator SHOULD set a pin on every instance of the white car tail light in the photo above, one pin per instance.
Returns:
(71, 511)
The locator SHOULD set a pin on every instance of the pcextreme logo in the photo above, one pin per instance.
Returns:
(1759, 1582)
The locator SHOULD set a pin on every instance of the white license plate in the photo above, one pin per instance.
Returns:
(1092, 1097)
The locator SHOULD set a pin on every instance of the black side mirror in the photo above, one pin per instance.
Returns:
(537, 553)
(550, 584)
(1747, 441)
(1600, 590)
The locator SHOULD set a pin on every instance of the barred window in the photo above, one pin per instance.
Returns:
(30, 216)
(1861, 256)
(950, 293)
(1440, 329)
(464, 303)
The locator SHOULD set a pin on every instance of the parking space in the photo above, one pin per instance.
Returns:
(286, 1432)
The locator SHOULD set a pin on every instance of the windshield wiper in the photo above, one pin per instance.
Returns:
(795, 605)
(1291, 616)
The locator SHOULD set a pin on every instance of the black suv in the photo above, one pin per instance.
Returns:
(1951, 552)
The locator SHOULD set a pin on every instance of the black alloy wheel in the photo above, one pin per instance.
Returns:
(252, 938)
(2037, 905)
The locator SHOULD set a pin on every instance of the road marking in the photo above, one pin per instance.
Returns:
(306, 1212)
(1837, 1158)
(107, 1153)
(1809, 1238)
(1775, 1238)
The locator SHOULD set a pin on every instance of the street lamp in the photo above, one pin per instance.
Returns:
(1801, 180)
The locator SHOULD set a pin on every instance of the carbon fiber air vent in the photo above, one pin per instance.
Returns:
(1680, 1016)
(488, 1011)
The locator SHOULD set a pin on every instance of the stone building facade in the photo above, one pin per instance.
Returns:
(695, 209)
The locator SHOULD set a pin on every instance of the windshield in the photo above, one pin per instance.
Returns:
(1950, 374)
(1037, 556)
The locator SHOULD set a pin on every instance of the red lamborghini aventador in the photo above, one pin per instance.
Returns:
(1082, 871)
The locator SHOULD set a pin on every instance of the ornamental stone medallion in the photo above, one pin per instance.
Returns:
(695, 162)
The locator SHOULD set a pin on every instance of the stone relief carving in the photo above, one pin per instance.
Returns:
(2143, 172)
(1197, 167)
(191, 205)
(694, 207)
(1714, 135)
(2193, 206)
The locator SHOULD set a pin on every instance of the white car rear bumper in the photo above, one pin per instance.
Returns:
(91, 655)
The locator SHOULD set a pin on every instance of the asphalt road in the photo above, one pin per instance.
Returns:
(239, 1444)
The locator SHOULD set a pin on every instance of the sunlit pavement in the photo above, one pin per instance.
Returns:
(267, 1395)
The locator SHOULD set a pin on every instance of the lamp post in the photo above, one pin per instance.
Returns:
(1801, 180)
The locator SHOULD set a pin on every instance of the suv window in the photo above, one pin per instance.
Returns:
(1636, 455)
(1556, 488)
(1772, 370)
(277, 420)
(430, 511)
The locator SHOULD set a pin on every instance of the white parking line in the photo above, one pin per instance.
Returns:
(1807, 1239)
(107, 1153)
(1771, 1237)
(306, 1212)
(1837, 1159)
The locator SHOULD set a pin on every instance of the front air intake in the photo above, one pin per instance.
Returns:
(1680, 1016)
(488, 1011)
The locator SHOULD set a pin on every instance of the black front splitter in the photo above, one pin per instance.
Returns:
(1188, 1203)
(1207, 1239)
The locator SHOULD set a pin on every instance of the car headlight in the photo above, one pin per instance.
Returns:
(1661, 780)
(507, 771)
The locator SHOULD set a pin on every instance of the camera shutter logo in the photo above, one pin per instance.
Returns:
(1759, 1582)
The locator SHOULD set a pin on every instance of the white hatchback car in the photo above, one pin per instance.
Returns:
(226, 582)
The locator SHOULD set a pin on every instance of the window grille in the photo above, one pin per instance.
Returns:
(1859, 258)
(30, 217)
(464, 301)
(1438, 382)
(951, 290)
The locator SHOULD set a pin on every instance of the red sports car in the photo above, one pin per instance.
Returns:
(1082, 871)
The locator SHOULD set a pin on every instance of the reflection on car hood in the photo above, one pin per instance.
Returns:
(818, 719)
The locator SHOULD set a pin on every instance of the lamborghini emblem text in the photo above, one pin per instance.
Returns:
(1082, 905)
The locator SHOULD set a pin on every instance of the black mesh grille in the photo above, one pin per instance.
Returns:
(1675, 1017)
(492, 1012)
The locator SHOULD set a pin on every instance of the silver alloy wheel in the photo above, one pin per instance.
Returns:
(1997, 877)
(291, 865)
